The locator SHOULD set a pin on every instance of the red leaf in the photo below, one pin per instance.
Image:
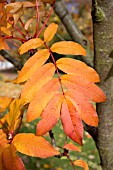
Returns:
(78, 68)
(88, 89)
(40, 101)
(32, 145)
(72, 124)
(10, 159)
(50, 115)
(85, 109)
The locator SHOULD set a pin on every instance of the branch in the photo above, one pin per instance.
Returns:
(18, 65)
(91, 130)
(73, 30)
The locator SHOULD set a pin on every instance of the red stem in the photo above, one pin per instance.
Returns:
(17, 29)
(55, 67)
(23, 25)
(38, 18)
(43, 26)
(17, 38)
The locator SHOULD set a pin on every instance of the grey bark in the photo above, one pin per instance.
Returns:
(73, 30)
(102, 15)
(18, 65)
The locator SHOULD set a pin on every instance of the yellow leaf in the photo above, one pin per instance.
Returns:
(32, 145)
(30, 44)
(42, 98)
(50, 32)
(32, 64)
(78, 68)
(38, 79)
(14, 114)
(6, 31)
(82, 164)
(68, 47)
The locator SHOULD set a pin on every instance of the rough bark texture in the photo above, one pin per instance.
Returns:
(102, 13)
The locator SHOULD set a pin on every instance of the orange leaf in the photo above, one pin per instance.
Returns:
(82, 164)
(3, 144)
(10, 159)
(85, 109)
(41, 99)
(50, 32)
(50, 115)
(3, 44)
(78, 68)
(33, 64)
(72, 147)
(3, 139)
(30, 44)
(72, 124)
(4, 102)
(32, 145)
(38, 79)
(88, 89)
(68, 47)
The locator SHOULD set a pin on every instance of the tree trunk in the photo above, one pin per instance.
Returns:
(102, 14)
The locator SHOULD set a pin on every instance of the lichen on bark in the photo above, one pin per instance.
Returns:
(103, 61)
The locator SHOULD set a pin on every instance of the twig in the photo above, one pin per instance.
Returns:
(73, 30)
(18, 65)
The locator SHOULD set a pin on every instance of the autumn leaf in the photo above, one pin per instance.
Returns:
(50, 115)
(4, 102)
(15, 113)
(10, 160)
(72, 123)
(41, 99)
(3, 44)
(3, 144)
(38, 79)
(71, 146)
(32, 145)
(50, 32)
(78, 68)
(88, 89)
(82, 164)
(30, 44)
(32, 65)
(68, 47)
(83, 106)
